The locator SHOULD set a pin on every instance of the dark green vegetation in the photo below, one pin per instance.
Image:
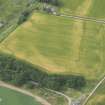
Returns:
(11, 97)
(19, 73)
(54, 2)
(10, 13)
(24, 16)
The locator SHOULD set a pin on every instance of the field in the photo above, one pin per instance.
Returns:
(97, 9)
(10, 97)
(64, 50)
(70, 6)
(58, 44)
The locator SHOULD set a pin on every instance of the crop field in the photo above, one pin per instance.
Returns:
(10, 97)
(61, 45)
(99, 96)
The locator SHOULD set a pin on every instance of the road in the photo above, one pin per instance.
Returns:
(83, 18)
(62, 94)
(94, 90)
(39, 99)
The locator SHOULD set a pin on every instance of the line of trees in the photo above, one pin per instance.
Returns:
(53, 2)
(20, 73)
(23, 17)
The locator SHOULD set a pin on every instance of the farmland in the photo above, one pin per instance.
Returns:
(11, 97)
(60, 44)
(57, 51)
(57, 43)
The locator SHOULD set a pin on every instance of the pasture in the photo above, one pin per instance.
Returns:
(11, 97)
(60, 45)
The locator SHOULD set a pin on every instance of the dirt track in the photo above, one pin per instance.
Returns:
(39, 99)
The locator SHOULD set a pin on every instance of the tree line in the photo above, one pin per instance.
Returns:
(19, 72)
(53, 2)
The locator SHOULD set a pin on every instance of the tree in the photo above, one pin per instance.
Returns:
(54, 2)
(23, 17)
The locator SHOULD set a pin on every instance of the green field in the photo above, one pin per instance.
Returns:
(97, 9)
(11, 97)
(61, 45)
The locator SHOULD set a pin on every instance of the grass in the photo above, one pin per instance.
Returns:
(10, 8)
(61, 45)
(42, 23)
(52, 43)
(10, 97)
(97, 9)
(69, 6)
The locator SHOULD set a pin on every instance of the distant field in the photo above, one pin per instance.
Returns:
(61, 45)
(99, 97)
(69, 6)
(10, 97)
(97, 9)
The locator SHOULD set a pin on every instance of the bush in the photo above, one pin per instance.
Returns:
(23, 17)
